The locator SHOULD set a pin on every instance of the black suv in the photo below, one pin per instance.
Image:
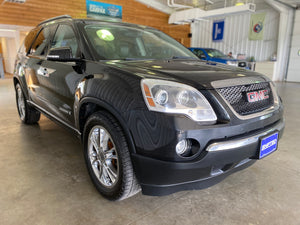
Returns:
(149, 113)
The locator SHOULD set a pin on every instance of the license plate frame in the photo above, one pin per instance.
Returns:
(268, 144)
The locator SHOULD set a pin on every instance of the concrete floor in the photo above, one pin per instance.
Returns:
(43, 180)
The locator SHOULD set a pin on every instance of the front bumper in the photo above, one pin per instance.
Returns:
(158, 177)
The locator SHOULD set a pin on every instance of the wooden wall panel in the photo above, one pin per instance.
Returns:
(32, 12)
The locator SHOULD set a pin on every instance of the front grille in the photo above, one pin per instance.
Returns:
(237, 98)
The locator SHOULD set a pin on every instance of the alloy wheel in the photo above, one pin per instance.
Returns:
(21, 103)
(103, 156)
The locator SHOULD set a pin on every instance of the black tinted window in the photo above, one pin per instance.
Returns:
(40, 45)
(29, 39)
(65, 37)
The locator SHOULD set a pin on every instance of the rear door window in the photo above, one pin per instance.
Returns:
(29, 39)
(41, 44)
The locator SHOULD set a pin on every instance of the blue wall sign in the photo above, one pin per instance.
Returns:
(103, 10)
(218, 30)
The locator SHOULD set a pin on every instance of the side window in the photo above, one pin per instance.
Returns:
(29, 38)
(40, 45)
(65, 37)
(199, 53)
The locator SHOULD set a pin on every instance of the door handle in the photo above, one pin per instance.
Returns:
(42, 71)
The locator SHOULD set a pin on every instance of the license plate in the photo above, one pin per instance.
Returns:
(268, 145)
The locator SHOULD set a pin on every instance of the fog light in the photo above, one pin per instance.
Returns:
(182, 147)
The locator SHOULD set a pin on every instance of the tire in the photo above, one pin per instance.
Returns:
(107, 157)
(28, 115)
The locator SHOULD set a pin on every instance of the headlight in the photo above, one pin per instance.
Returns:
(176, 98)
(232, 63)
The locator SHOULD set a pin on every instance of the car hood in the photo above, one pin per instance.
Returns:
(197, 73)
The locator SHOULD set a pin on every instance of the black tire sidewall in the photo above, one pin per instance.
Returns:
(32, 116)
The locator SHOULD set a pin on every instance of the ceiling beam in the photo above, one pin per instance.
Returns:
(190, 15)
(156, 5)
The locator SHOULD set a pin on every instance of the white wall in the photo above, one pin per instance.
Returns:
(9, 53)
(236, 35)
(294, 63)
(10, 40)
(11, 37)
(265, 68)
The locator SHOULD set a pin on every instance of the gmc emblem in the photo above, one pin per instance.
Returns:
(256, 96)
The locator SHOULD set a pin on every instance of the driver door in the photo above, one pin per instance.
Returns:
(62, 76)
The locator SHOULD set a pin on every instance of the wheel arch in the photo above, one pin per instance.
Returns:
(90, 105)
(20, 81)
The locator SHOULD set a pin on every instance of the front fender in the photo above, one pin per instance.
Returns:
(22, 81)
(101, 105)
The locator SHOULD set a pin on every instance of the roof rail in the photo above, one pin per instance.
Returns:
(55, 18)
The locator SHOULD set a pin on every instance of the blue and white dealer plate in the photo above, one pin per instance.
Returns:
(268, 145)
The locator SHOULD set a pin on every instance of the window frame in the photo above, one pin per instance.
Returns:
(33, 39)
(52, 28)
(78, 52)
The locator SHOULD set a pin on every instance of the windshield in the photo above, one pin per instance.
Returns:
(215, 53)
(114, 42)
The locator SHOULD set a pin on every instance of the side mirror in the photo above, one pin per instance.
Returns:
(61, 54)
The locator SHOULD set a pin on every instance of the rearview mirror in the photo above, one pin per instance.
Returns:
(62, 54)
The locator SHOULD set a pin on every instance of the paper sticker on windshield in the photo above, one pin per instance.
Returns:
(105, 35)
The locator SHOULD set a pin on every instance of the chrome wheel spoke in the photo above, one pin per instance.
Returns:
(93, 155)
(109, 154)
(97, 167)
(102, 177)
(104, 137)
(94, 141)
(111, 174)
(21, 103)
(112, 157)
(103, 156)
(95, 163)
